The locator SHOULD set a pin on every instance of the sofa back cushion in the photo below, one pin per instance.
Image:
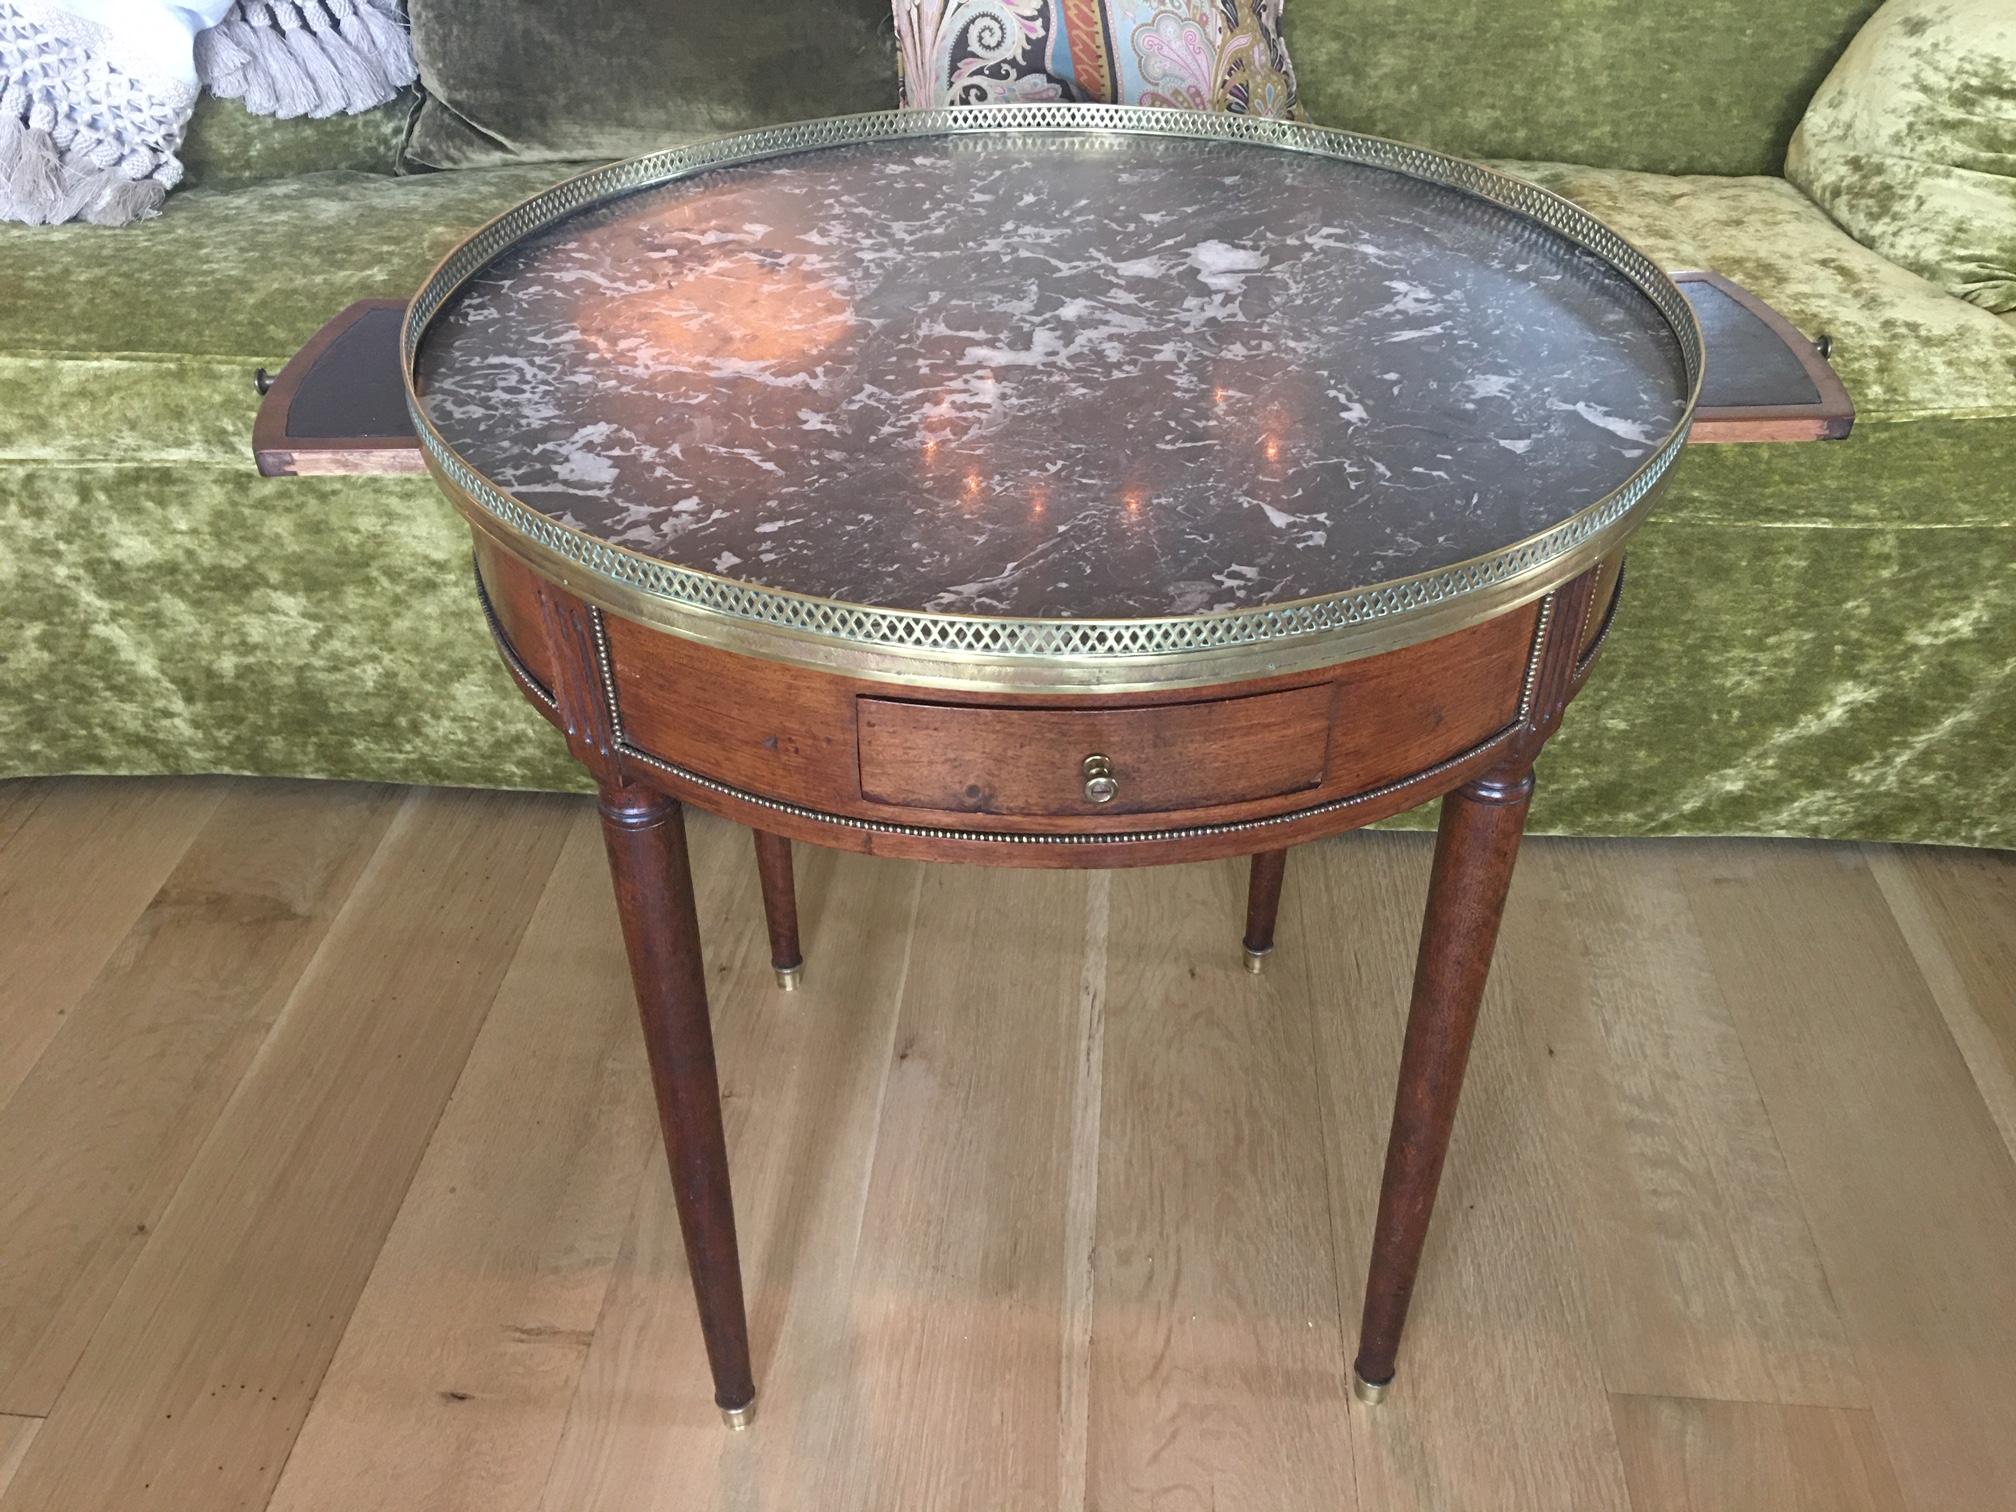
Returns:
(1713, 87)
(1911, 144)
(1716, 86)
(532, 80)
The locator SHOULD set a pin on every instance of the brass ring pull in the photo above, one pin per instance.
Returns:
(1100, 783)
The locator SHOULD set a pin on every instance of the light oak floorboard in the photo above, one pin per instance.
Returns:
(100, 1133)
(1499, 1401)
(15, 1433)
(194, 1387)
(957, 1151)
(1702, 1277)
(1683, 1455)
(958, 1329)
(74, 875)
(1218, 1379)
(1081, 1199)
(19, 797)
(463, 1352)
(1957, 909)
(802, 1077)
(1903, 1176)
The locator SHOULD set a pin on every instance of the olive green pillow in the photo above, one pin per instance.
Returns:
(532, 80)
(226, 145)
(1911, 143)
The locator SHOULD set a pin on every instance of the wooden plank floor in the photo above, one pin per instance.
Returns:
(328, 1177)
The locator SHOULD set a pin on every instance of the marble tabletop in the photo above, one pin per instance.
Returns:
(1054, 377)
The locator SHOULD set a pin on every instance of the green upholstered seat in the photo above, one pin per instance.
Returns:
(138, 345)
(168, 609)
(1818, 639)
(1906, 349)
(1815, 640)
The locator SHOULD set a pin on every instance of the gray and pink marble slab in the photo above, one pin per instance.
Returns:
(1054, 376)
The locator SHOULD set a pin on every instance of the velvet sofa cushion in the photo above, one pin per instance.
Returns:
(1712, 87)
(1905, 349)
(91, 373)
(1911, 143)
(1716, 88)
(531, 80)
(227, 145)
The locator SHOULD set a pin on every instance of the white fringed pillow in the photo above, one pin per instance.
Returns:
(96, 94)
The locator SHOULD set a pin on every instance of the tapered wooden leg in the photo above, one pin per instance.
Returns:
(780, 908)
(1263, 902)
(1475, 847)
(646, 836)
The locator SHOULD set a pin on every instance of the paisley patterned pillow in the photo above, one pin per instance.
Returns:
(1193, 54)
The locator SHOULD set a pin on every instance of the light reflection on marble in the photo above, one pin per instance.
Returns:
(1054, 376)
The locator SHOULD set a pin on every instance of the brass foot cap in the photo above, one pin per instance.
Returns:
(1367, 1393)
(741, 1417)
(788, 977)
(1256, 960)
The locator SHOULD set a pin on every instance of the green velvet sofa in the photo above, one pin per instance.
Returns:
(1816, 639)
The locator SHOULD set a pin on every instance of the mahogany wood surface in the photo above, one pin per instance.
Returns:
(1263, 902)
(1764, 381)
(780, 900)
(982, 760)
(1476, 844)
(338, 406)
(646, 836)
(778, 747)
(1602, 600)
(800, 735)
(513, 596)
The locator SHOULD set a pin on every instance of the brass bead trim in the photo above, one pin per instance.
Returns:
(1534, 657)
(1352, 623)
(1121, 837)
(518, 669)
(608, 674)
(1609, 619)
(1589, 613)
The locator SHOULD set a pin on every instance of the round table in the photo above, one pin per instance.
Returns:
(1060, 486)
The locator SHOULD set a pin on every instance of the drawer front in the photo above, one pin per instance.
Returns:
(982, 760)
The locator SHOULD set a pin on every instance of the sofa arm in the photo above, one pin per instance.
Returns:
(1910, 144)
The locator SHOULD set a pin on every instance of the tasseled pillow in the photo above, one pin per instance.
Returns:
(94, 101)
(307, 57)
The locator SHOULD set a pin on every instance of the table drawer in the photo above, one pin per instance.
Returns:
(986, 760)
